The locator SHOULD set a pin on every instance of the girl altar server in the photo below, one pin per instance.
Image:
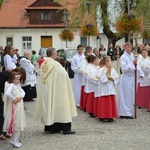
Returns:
(96, 90)
(107, 109)
(143, 94)
(91, 74)
(82, 68)
(14, 109)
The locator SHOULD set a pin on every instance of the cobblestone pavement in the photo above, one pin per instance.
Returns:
(91, 134)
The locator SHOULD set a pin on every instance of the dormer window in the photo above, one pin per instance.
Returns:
(45, 15)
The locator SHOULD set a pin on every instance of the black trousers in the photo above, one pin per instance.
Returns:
(30, 92)
(1, 114)
(58, 127)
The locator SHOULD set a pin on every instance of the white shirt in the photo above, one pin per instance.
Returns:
(10, 89)
(9, 63)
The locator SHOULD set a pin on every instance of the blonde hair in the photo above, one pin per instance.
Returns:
(103, 60)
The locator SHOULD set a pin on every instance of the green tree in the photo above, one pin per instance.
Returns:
(104, 11)
(101, 10)
(142, 9)
(1, 1)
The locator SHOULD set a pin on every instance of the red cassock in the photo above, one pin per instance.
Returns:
(95, 110)
(90, 102)
(107, 107)
(143, 96)
(82, 98)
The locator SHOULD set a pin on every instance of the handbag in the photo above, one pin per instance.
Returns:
(11, 127)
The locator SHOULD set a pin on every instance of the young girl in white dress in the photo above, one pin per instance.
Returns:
(14, 108)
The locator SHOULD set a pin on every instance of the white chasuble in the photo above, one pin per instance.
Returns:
(55, 101)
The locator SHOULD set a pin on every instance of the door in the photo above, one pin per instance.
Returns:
(46, 41)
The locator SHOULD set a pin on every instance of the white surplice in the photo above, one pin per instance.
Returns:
(126, 91)
(144, 65)
(106, 86)
(77, 82)
(82, 67)
(30, 73)
(91, 80)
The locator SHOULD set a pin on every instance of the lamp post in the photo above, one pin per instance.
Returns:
(89, 20)
(66, 18)
(128, 15)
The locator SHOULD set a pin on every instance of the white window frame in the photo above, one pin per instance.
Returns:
(27, 42)
(7, 43)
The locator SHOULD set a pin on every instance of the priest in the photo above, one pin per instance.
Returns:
(55, 106)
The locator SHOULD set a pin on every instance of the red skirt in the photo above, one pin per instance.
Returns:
(143, 97)
(107, 107)
(81, 97)
(84, 100)
(96, 100)
(90, 102)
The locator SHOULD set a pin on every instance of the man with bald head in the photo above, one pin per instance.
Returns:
(96, 52)
(30, 83)
(55, 106)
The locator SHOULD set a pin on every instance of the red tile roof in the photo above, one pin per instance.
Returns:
(43, 7)
(12, 13)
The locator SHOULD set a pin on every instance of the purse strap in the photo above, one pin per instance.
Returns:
(13, 113)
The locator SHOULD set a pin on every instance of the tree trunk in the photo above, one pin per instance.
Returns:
(112, 38)
(112, 41)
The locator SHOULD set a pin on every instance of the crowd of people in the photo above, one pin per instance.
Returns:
(95, 81)
(93, 89)
(17, 85)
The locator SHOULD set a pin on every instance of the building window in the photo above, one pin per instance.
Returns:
(84, 41)
(27, 42)
(9, 41)
(46, 15)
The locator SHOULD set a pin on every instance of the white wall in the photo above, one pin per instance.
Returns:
(57, 43)
(36, 34)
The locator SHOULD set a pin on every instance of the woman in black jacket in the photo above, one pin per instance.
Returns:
(3, 79)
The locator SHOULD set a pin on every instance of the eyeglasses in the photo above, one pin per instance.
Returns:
(17, 76)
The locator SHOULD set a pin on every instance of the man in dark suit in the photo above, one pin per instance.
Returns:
(110, 51)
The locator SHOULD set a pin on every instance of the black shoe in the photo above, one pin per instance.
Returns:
(126, 117)
(91, 115)
(53, 132)
(122, 117)
(129, 117)
(84, 110)
(77, 107)
(111, 120)
(69, 132)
